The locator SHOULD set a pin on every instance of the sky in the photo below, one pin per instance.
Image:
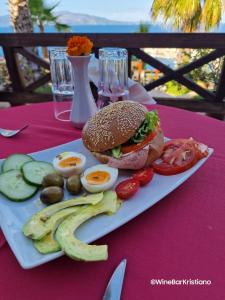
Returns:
(121, 10)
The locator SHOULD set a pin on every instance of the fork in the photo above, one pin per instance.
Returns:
(9, 133)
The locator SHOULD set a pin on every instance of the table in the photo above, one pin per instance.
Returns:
(181, 237)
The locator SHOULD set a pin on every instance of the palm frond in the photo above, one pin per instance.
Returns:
(62, 27)
(43, 14)
(158, 8)
(188, 15)
(51, 8)
(211, 13)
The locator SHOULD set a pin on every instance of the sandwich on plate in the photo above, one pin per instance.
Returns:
(124, 135)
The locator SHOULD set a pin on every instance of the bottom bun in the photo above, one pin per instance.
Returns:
(154, 152)
(104, 159)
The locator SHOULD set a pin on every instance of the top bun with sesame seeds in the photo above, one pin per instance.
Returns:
(113, 125)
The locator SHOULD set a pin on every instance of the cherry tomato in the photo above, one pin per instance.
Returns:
(135, 147)
(144, 176)
(179, 155)
(127, 188)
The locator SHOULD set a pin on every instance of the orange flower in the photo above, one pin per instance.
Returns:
(79, 45)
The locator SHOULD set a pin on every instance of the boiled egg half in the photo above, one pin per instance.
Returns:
(69, 163)
(99, 178)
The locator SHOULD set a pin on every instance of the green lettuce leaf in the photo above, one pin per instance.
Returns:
(148, 125)
(116, 152)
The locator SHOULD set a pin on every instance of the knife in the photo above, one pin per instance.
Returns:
(114, 287)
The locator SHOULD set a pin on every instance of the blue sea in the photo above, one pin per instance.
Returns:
(120, 28)
(129, 28)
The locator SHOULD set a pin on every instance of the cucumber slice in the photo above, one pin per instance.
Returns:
(14, 187)
(35, 171)
(15, 162)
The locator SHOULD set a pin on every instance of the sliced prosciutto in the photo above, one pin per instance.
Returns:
(134, 161)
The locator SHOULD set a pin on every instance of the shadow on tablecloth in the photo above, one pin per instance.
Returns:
(2, 239)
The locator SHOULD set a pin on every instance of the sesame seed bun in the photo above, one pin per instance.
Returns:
(113, 125)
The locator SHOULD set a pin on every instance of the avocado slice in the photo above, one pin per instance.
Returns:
(73, 247)
(48, 244)
(36, 228)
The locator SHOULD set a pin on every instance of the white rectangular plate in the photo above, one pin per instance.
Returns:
(13, 215)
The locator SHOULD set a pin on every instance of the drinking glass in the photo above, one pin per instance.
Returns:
(62, 83)
(113, 75)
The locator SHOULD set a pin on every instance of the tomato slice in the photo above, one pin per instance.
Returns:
(127, 188)
(180, 144)
(135, 147)
(175, 151)
(168, 169)
(202, 150)
(144, 176)
(179, 155)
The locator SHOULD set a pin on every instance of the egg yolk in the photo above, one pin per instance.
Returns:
(98, 177)
(69, 162)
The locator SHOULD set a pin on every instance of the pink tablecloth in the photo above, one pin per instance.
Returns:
(182, 237)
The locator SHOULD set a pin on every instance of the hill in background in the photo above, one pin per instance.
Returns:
(71, 18)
